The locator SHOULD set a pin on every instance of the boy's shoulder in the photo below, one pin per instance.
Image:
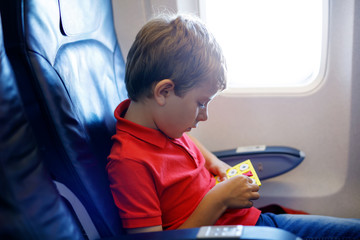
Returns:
(134, 140)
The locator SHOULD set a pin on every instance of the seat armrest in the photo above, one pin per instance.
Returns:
(268, 161)
(248, 232)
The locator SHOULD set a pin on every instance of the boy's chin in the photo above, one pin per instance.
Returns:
(176, 135)
(179, 135)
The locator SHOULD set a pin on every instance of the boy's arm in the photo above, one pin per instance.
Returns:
(236, 192)
(144, 229)
(213, 164)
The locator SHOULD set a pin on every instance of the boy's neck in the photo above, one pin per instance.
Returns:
(138, 112)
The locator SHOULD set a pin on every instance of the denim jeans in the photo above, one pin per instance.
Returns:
(312, 226)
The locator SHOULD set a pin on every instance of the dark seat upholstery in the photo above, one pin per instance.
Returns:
(30, 206)
(70, 73)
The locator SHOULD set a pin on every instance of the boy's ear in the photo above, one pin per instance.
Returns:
(162, 90)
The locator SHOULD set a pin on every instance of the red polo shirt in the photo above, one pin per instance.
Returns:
(156, 180)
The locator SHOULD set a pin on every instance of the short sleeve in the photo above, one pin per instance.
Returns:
(134, 192)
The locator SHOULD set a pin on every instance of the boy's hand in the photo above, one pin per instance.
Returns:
(217, 167)
(236, 192)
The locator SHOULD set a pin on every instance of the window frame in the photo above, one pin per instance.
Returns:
(309, 88)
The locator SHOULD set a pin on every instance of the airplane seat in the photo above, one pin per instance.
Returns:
(30, 206)
(70, 73)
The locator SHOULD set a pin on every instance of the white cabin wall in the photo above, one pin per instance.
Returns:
(324, 123)
(318, 123)
(131, 15)
(350, 193)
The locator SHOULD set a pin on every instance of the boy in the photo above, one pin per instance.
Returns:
(160, 177)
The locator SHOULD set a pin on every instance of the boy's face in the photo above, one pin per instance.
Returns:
(181, 114)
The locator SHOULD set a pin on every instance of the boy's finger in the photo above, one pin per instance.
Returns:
(223, 178)
(222, 173)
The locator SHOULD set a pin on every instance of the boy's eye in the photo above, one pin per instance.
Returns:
(202, 105)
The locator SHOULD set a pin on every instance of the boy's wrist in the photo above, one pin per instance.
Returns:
(218, 199)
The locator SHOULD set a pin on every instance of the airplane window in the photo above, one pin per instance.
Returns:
(270, 45)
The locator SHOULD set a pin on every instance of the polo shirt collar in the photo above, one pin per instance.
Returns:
(152, 136)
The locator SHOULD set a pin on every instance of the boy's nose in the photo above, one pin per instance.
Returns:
(203, 115)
